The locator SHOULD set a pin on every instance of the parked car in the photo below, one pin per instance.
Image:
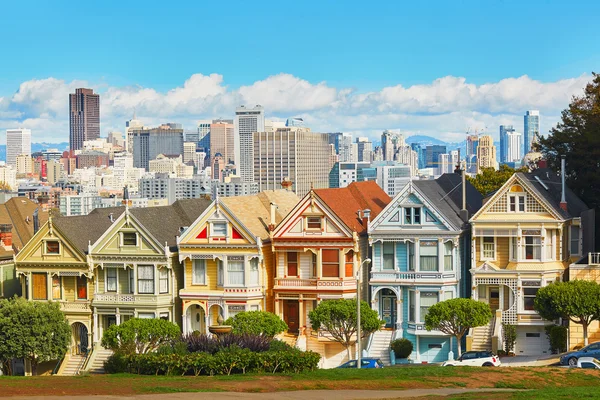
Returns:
(364, 363)
(475, 359)
(588, 362)
(570, 358)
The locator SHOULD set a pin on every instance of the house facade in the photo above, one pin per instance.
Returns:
(225, 258)
(420, 250)
(524, 238)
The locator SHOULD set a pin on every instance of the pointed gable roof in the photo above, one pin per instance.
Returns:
(345, 202)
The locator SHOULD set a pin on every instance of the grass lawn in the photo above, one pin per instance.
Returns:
(544, 382)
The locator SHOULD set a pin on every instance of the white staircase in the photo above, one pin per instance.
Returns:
(380, 346)
(96, 364)
(73, 365)
(482, 337)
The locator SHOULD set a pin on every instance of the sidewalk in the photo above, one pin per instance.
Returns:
(530, 361)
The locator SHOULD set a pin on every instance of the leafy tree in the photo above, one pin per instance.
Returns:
(578, 301)
(339, 318)
(577, 138)
(256, 323)
(35, 331)
(490, 180)
(140, 335)
(456, 316)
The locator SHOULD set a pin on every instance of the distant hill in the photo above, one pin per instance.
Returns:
(424, 140)
(37, 147)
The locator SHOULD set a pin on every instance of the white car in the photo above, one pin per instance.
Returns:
(588, 362)
(475, 359)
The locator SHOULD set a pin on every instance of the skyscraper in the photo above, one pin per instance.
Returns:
(18, 141)
(486, 153)
(531, 126)
(222, 140)
(84, 121)
(505, 130)
(432, 153)
(247, 121)
(514, 145)
(364, 149)
(148, 143)
(334, 139)
(348, 150)
(294, 154)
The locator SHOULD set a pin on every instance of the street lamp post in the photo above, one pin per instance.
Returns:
(358, 342)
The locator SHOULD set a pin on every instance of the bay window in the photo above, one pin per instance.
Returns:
(81, 288)
(428, 255)
(254, 274)
(313, 269)
(111, 279)
(199, 272)
(574, 240)
(235, 272)
(145, 274)
(292, 264)
(163, 280)
(532, 249)
(411, 255)
(220, 273)
(349, 264)
(56, 290)
(488, 248)
(530, 289)
(388, 255)
(427, 300)
(448, 246)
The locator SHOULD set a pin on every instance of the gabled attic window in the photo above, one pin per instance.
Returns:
(313, 223)
(129, 239)
(219, 229)
(52, 247)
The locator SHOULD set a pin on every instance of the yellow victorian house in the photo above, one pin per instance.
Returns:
(227, 258)
(523, 238)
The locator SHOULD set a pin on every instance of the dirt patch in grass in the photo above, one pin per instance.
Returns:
(387, 378)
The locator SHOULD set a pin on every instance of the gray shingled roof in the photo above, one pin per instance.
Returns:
(163, 222)
(445, 193)
(553, 193)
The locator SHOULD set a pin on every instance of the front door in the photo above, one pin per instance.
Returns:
(291, 315)
(388, 309)
(494, 298)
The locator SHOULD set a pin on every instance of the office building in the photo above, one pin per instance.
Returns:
(79, 204)
(148, 143)
(334, 139)
(514, 145)
(233, 186)
(172, 189)
(222, 139)
(203, 131)
(348, 150)
(297, 122)
(391, 176)
(486, 153)
(247, 121)
(18, 141)
(24, 165)
(292, 154)
(92, 158)
(364, 149)
(471, 156)
(505, 130)
(531, 128)
(389, 140)
(189, 151)
(432, 154)
(349, 172)
(8, 178)
(84, 122)
(130, 125)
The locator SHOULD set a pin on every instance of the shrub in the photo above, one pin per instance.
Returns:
(402, 347)
(117, 363)
(201, 342)
(510, 337)
(139, 335)
(212, 344)
(279, 345)
(557, 336)
(177, 346)
(256, 323)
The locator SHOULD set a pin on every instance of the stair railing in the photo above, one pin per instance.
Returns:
(57, 367)
(82, 363)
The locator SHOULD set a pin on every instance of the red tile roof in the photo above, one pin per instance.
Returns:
(346, 202)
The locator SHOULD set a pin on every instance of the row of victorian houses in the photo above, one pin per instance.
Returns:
(197, 259)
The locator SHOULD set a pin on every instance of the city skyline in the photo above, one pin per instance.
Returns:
(439, 83)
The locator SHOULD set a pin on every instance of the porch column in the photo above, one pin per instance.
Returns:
(184, 321)
(95, 327)
(417, 255)
(118, 317)
(89, 338)
(417, 307)
(206, 321)
(341, 264)
(29, 286)
(501, 299)
(302, 316)
(135, 282)
(156, 279)
(277, 307)
(417, 350)
(440, 255)
(399, 315)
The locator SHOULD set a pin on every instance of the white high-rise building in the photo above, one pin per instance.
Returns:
(247, 121)
(514, 145)
(364, 149)
(18, 141)
(348, 150)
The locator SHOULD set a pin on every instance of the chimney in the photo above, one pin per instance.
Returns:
(6, 235)
(563, 199)
(110, 216)
(272, 221)
(464, 213)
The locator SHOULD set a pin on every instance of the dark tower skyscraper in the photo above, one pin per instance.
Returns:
(84, 113)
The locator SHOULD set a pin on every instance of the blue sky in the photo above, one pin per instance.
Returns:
(362, 47)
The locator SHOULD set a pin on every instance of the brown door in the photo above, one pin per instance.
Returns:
(291, 315)
(494, 299)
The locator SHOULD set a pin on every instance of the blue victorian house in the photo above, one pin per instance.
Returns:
(421, 254)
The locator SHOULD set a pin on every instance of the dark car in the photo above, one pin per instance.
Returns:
(364, 363)
(570, 358)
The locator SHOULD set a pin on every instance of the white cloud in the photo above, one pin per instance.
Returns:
(445, 108)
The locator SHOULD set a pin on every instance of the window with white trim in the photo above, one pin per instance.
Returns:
(163, 283)
(448, 261)
(411, 255)
(220, 273)
(129, 239)
(145, 279)
(388, 255)
(146, 315)
(488, 248)
(219, 229)
(412, 215)
(574, 240)
(532, 245)
(530, 290)
(254, 274)
(313, 223)
(428, 255)
(235, 272)
(427, 300)
(199, 272)
(411, 306)
(111, 279)
(516, 203)
(512, 241)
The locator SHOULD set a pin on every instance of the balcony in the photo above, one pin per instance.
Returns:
(295, 283)
(593, 258)
(75, 307)
(315, 284)
(131, 299)
(412, 277)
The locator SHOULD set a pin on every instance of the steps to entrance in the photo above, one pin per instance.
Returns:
(73, 365)
(482, 337)
(96, 366)
(288, 338)
(380, 346)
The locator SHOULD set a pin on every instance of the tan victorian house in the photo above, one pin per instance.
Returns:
(523, 238)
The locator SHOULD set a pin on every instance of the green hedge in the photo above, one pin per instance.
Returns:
(232, 360)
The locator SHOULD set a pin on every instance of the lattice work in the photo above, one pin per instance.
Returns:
(508, 316)
(500, 205)
(533, 206)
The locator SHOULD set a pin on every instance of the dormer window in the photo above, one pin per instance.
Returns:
(313, 223)
(129, 239)
(412, 215)
(219, 229)
(52, 247)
